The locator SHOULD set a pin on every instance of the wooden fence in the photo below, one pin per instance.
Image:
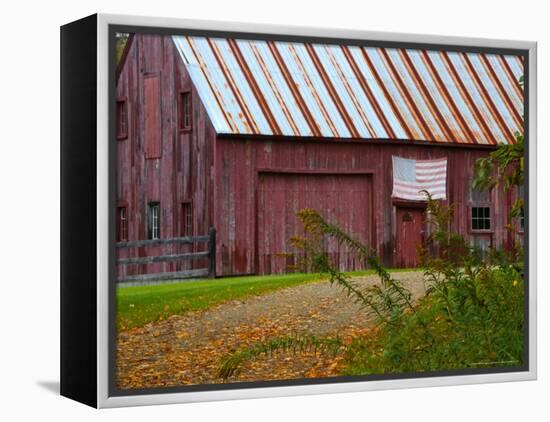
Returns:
(210, 254)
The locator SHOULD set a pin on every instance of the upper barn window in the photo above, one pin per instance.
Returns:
(121, 119)
(184, 111)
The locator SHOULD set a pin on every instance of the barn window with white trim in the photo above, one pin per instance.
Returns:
(481, 218)
(187, 219)
(154, 220)
(122, 221)
(185, 111)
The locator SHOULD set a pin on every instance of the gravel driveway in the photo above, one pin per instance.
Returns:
(186, 349)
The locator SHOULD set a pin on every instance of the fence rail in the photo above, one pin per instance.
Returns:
(210, 254)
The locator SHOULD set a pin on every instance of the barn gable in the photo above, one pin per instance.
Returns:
(340, 91)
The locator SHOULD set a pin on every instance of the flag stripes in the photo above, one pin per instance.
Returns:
(412, 177)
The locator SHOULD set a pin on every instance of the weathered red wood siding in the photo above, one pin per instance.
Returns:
(240, 162)
(183, 170)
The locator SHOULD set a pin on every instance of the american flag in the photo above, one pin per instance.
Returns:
(410, 177)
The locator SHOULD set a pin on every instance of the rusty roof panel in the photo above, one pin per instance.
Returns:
(338, 91)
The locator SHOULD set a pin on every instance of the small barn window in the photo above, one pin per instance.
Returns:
(185, 111)
(122, 224)
(481, 218)
(480, 210)
(121, 119)
(153, 220)
(186, 219)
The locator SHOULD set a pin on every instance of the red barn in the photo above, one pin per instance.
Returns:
(240, 134)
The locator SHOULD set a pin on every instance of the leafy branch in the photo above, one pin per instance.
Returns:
(503, 166)
(382, 300)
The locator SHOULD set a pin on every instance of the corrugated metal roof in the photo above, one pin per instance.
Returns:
(342, 91)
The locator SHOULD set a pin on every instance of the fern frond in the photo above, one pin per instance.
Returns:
(299, 343)
(380, 302)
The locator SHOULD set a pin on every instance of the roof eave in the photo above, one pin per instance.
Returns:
(408, 142)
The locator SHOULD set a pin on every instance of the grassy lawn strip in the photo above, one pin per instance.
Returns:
(140, 305)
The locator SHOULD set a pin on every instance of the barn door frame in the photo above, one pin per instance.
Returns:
(370, 173)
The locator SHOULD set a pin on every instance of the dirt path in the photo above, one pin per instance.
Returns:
(185, 349)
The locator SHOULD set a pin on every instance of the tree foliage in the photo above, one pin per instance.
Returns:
(503, 168)
(120, 42)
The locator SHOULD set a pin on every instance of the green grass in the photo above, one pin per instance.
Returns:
(140, 305)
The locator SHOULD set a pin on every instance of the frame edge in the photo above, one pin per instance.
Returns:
(106, 401)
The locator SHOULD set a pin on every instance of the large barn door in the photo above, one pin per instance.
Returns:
(409, 235)
(343, 199)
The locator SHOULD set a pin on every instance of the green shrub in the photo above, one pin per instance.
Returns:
(471, 316)
(471, 319)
